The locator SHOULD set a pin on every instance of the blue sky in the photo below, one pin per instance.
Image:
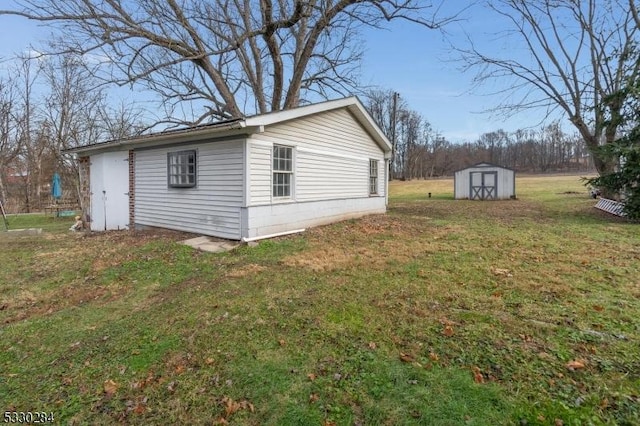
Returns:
(419, 64)
(412, 60)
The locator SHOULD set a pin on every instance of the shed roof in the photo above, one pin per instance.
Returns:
(243, 126)
(483, 164)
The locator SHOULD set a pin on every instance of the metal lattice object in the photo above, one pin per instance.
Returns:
(610, 206)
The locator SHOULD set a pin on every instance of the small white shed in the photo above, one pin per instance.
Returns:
(245, 178)
(484, 181)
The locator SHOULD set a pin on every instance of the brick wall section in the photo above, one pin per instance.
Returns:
(84, 168)
(132, 189)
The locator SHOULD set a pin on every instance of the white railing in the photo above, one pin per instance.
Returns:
(610, 206)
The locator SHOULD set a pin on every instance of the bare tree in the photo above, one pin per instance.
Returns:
(50, 104)
(30, 136)
(577, 55)
(77, 113)
(73, 103)
(225, 57)
(121, 121)
(9, 143)
(385, 107)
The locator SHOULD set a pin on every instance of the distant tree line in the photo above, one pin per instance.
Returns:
(420, 152)
(48, 104)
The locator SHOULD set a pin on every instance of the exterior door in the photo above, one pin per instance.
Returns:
(484, 185)
(109, 179)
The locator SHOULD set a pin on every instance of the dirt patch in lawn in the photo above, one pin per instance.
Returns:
(52, 286)
(245, 270)
(372, 242)
(28, 304)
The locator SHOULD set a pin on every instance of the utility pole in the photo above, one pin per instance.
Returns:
(394, 113)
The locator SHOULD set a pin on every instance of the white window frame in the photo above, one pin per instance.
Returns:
(182, 169)
(282, 172)
(373, 177)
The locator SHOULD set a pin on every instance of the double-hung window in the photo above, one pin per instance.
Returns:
(181, 169)
(373, 177)
(282, 168)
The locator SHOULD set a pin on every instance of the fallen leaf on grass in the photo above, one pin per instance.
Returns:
(140, 408)
(372, 345)
(110, 387)
(232, 407)
(448, 331)
(501, 272)
(140, 384)
(313, 398)
(604, 403)
(209, 361)
(445, 321)
(433, 356)
(311, 376)
(598, 308)
(282, 342)
(576, 364)
(406, 357)
(526, 337)
(477, 375)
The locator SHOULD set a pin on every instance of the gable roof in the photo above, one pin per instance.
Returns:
(482, 164)
(244, 126)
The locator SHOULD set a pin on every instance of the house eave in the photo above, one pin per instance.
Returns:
(238, 128)
(245, 126)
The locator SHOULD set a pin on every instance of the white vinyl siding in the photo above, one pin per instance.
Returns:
(211, 208)
(260, 172)
(332, 157)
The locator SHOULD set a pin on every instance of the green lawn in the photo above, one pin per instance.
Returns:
(48, 223)
(441, 312)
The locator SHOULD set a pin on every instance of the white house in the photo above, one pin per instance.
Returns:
(484, 181)
(242, 179)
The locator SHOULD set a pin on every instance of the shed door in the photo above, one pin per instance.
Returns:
(484, 185)
(109, 191)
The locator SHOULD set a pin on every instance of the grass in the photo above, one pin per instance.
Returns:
(440, 312)
(35, 220)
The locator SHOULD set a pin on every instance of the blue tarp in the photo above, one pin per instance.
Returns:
(56, 186)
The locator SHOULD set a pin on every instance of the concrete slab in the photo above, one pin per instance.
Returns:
(210, 244)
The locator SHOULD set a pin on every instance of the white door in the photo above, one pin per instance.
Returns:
(109, 178)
